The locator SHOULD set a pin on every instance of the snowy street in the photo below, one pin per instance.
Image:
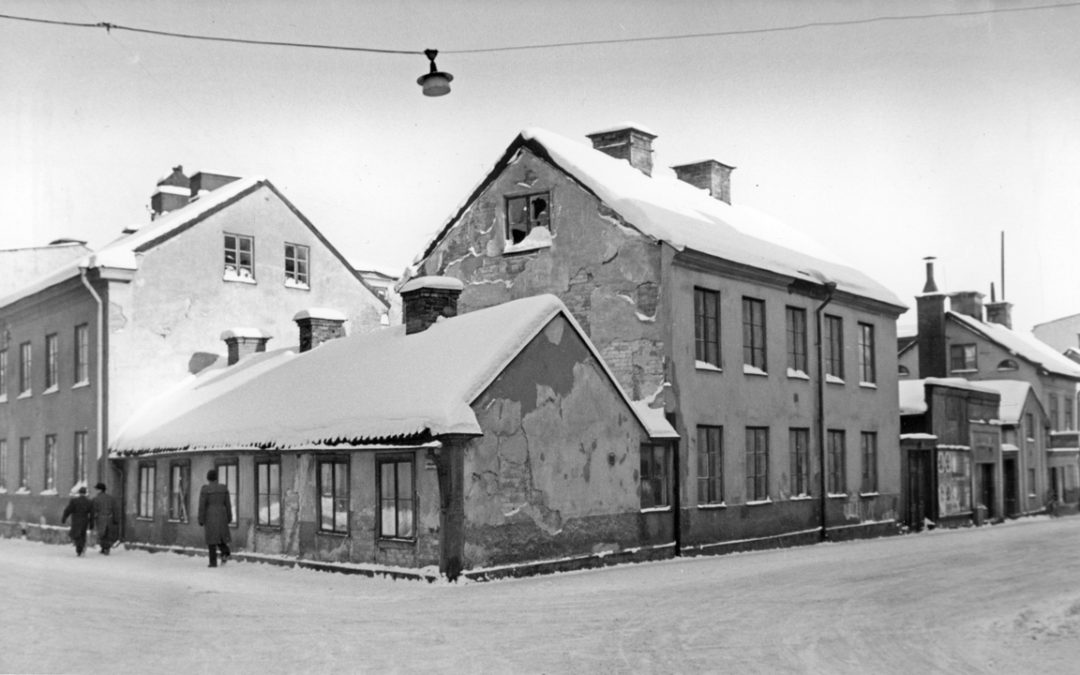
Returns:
(1003, 598)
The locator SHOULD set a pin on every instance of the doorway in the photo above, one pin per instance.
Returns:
(1012, 489)
(920, 489)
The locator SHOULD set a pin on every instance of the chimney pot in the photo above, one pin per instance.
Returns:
(627, 141)
(427, 299)
(244, 341)
(709, 175)
(318, 325)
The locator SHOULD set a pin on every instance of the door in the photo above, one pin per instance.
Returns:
(1012, 489)
(920, 489)
(986, 489)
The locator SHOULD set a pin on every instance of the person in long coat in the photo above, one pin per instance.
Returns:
(105, 514)
(215, 514)
(78, 509)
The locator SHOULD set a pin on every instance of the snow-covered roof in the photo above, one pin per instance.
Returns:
(686, 217)
(1013, 394)
(1026, 346)
(120, 253)
(913, 392)
(380, 386)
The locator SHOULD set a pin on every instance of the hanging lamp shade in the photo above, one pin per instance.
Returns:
(434, 82)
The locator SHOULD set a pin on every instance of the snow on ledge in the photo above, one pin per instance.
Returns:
(443, 283)
(705, 365)
(753, 370)
(797, 374)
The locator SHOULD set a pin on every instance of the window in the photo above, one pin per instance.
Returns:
(1008, 364)
(903, 371)
(80, 457)
(796, 339)
(710, 456)
(867, 371)
(239, 257)
(962, 357)
(834, 346)
(179, 491)
(51, 345)
(754, 333)
(3, 374)
(296, 266)
(837, 479)
(3, 464)
(1068, 413)
(707, 326)
(228, 475)
(24, 368)
(334, 495)
(757, 464)
(24, 463)
(82, 354)
(799, 445)
(397, 517)
(526, 213)
(655, 475)
(268, 494)
(145, 505)
(50, 462)
(869, 462)
(1054, 411)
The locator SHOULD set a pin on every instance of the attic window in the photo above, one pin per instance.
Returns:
(1008, 364)
(239, 258)
(526, 213)
(296, 266)
(903, 371)
(962, 358)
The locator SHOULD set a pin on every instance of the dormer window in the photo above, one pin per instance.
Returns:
(239, 258)
(525, 214)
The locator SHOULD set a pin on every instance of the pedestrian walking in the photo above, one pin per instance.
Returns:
(105, 518)
(78, 509)
(215, 514)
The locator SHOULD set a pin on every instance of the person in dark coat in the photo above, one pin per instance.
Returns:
(215, 514)
(78, 508)
(105, 516)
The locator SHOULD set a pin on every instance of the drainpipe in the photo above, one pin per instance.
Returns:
(99, 384)
(830, 288)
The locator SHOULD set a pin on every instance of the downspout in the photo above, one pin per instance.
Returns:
(830, 288)
(99, 384)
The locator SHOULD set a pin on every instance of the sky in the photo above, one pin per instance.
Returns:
(886, 141)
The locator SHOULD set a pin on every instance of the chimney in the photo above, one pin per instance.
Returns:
(319, 325)
(710, 175)
(998, 312)
(627, 141)
(173, 192)
(207, 182)
(427, 299)
(968, 303)
(930, 307)
(244, 341)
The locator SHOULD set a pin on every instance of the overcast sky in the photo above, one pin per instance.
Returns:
(887, 140)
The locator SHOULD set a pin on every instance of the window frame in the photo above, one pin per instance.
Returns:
(237, 251)
(3, 463)
(706, 341)
(867, 353)
(834, 346)
(801, 472)
(52, 351)
(337, 463)
(654, 484)
(869, 451)
(50, 463)
(81, 361)
(78, 452)
(300, 275)
(798, 358)
(396, 461)
(836, 457)
(146, 487)
(3, 373)
(272, 498)
(26, 364)
(965, 355)
(24, 463)
(179, 510)
(710, 456)
(228, 471)
(754, 335)
(531, 222)
(757, 464)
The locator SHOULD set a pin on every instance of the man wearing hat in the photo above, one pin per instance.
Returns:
(78, 508)
(106, 518)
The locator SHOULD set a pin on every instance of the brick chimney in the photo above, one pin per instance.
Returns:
(626, 141)
(319, 325)
(930, 307)
(244, 341)
(968, 303)
(205, 182)
(709, 175)
(427, 299)
(998, 312)
(173, 192)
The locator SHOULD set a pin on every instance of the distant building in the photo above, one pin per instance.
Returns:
(710, 311)
(485, 444)
(83, 347)
(1062, 334)
(18, 266)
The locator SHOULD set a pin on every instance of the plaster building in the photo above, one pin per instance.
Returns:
(712, 312)
(482, 444)
(88, 343)
(961, 342)
(1062, 334)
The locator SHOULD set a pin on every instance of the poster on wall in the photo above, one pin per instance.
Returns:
(954, 482)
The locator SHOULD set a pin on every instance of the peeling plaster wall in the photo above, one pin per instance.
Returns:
(168, 320)
(606, 273)
(556, 471)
